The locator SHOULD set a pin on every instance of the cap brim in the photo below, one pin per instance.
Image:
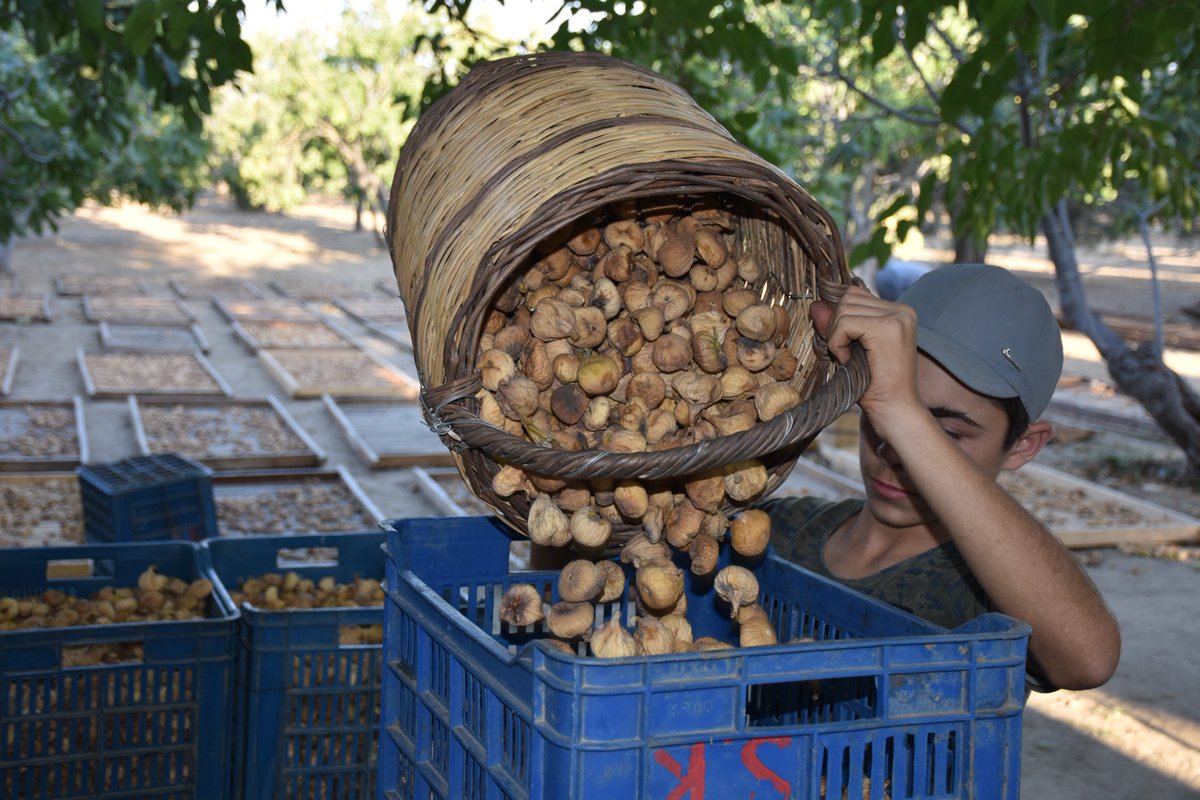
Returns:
(970, 370)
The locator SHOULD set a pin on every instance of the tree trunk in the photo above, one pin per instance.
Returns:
(969, 251)
(1138, 372)
(6, 248)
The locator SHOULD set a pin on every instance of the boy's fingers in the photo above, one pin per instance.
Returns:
(822, 314)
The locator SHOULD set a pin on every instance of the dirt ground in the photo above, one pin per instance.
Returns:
(1137, 737)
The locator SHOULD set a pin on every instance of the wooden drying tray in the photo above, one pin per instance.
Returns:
(229, 288)
(372, 308)
(396, 333)
(99, 284)
(385, 318)
(388, 434)
(810, 478)
(1177, 335)
(1158, 525)
(400, 385)
(446, 491)
(152, 338)
(36, 308)
(242, 451)
(9, 373)
(234, 310)
(52, 509)
(262, 484)
(121, 392)
(334, 334)
(14, 421)
(317, 291)
(1078, 410)
(136, 310)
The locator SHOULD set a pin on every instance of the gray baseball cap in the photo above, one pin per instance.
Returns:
(990, 330)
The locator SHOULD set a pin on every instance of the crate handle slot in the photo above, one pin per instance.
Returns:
(360, 634)
(292, 557)
(105, 654)
(59, 568)
(818, 701)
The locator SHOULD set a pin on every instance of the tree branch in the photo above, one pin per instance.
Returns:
(26, 150)
(925, 117)
(912, 60)
(955, 53)
(1155, 290)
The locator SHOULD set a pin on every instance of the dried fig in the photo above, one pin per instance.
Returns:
(521, 605)
(578, 581)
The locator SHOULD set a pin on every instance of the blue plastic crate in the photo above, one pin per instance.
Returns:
(155, 728)
(307, 720)
(882, 697)
(147, 498)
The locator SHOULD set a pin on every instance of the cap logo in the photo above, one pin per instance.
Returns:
(1007, 353)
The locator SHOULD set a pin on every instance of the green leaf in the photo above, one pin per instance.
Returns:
(892, 207)
(876, 247)
(1045, 9)
(141, 26)
(959, 91)
(925, 194)
(90, 14)
(746, 119)
(178, 22)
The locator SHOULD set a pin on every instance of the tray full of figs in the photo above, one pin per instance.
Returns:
(1080, 512)
(176, 375)
(224, 287)
(135, 310)
(372, 309)
(317, 290)
(9, 358)
(42, 434)
(77, 284)
(136, 337)
(264, 309)
(388, 434)
(42, 508)
(445, 490)
(338, 372)
(292, 501)
(225, 434)
(257, 334)
(25, 308)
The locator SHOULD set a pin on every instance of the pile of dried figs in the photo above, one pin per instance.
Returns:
(642, 334)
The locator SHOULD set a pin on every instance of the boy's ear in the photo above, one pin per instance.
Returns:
(1026, 448)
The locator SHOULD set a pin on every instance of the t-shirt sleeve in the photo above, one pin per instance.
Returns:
(791, 534)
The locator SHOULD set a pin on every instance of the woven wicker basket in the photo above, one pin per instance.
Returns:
(524, 148)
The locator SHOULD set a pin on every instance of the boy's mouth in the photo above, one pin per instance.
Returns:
(888, 490)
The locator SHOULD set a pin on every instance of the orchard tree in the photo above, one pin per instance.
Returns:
(106, 96)
(328, 110)
(1007, 114)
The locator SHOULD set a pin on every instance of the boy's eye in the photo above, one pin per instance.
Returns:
(953, 434)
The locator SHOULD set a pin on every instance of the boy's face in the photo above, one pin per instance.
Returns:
(977, 424)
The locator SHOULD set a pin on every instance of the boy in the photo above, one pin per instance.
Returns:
(961, 369)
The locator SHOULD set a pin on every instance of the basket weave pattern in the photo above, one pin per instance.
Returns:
(522, 150)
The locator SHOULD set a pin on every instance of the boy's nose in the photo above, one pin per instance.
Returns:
(886, 454)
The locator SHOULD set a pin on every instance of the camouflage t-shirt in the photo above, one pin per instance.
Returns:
(935, 585)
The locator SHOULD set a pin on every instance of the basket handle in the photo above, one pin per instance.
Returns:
(828, 402)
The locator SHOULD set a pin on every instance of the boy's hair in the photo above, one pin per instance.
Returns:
(991, 331)
(1018, 419)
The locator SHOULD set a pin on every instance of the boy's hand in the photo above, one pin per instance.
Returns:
(887, 333)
